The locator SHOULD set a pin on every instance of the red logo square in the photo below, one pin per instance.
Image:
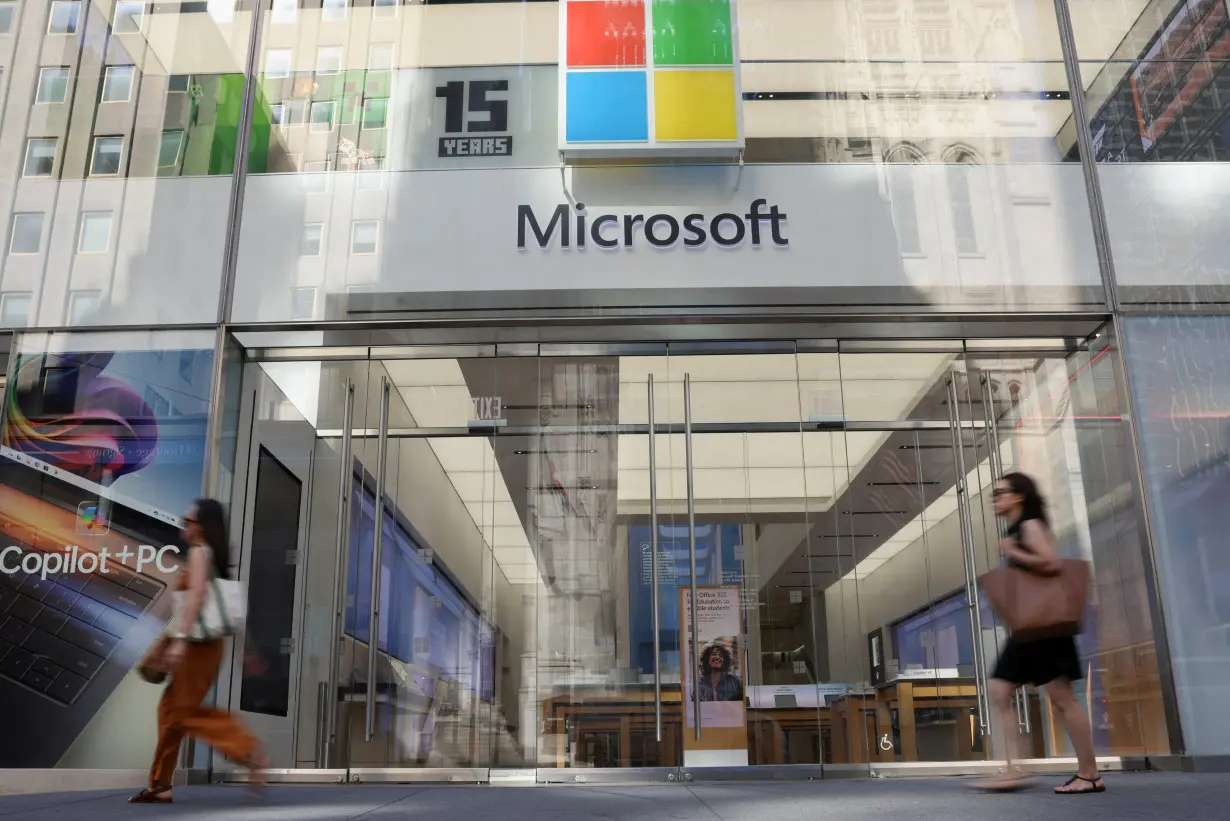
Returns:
(606, 33)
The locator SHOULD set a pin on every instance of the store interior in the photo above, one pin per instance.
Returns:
(842, 491)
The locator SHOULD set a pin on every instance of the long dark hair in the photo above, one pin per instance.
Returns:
(212, 520)
(728, 661)
(1033, 506)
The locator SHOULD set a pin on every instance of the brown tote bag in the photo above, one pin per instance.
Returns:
(152, 666)
(1038, 605)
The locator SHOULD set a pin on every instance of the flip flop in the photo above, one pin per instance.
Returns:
(1098, 786)
(152, 795)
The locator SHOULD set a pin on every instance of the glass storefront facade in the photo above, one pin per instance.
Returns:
(612, 387)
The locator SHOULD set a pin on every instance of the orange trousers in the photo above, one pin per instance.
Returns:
(180, 713)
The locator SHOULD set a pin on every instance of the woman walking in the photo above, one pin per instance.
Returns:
(1051, 663)
(193, 665)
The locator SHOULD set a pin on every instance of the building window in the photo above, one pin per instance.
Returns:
(316, 179)
(277, 114)
(15, 309)
(375, 113)
(313, 239)
(40, 157)
(81, 304)
(52, 85)
(6, 16)
(333, 11)
(169, 148)
(322, 115)
(380, 57)
(108, 156)
(128, 16)
(296, 111)
(328, 59)
(302, 303)
(364, 237)
(903, 164)
(159, 405)
(95, 234)
(285, 11)
(63, 17)
(277, 63)
(187, 365)
(384, 8)
(26, 236)
(960, 201)
(117, 84)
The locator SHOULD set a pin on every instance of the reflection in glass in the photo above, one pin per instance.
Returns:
(27, 233)
(95, 237)
(107, 157)
(1179, 372)
(63, 17)
(40, 157)
(52, 85)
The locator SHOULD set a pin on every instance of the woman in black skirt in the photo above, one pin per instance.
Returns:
(1051, 663)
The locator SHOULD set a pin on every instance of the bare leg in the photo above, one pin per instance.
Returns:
(1063, 696)
(1000, 693)
(1001, 698)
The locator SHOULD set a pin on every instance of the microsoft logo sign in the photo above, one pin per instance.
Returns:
(649, 78)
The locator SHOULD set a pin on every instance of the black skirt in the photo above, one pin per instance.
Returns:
(1038, 662)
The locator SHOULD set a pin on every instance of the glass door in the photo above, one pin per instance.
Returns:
(291, 463)
(896, 583)
(1050, 409)
(437, 561)
(751, 671)
(604, 489)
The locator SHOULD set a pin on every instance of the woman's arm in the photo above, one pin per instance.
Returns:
(1041, 554)
(194, 598)
(198, 580)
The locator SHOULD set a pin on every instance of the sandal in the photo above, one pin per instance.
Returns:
(1098, 786)
(153, 795)
(1012, 781)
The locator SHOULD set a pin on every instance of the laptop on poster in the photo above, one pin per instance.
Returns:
(68, 638)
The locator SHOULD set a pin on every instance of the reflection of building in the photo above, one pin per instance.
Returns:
(828, 411)
(1160, 99)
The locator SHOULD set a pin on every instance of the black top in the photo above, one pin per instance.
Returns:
(1013, 531)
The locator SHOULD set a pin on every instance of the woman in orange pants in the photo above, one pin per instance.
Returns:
(193, 666)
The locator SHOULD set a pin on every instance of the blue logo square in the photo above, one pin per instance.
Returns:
(607, 107)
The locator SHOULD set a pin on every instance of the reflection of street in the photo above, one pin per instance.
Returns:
(438, 725)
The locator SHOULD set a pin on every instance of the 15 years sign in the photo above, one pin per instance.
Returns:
(473, 117)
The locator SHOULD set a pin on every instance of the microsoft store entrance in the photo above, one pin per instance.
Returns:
(655, 561)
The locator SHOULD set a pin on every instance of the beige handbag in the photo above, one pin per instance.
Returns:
(1038, 605)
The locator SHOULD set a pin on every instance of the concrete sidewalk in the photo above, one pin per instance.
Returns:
(1129, 796)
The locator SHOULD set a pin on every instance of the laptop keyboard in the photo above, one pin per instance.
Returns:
(56, 633)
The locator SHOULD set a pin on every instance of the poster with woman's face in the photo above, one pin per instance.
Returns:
(719, 677)
(715, 675)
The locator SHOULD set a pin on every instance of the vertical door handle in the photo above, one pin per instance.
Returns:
(967, 545)
(687, 448)
(345, 479)
(373, 627)
(653, 573)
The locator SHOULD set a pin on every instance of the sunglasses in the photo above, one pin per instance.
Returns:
(1000, 491)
